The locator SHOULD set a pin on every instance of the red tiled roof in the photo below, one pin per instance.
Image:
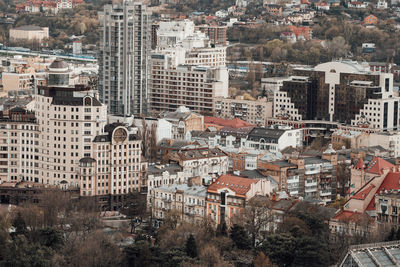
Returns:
(377, 165)
(390, 182)
(237, 184)
(360, 164)
(350, 216)
(362, 194)
(234, 123)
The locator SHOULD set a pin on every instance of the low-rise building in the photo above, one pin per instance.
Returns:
(228, 194)
(29, 33)
(188, 201)
(202, 161)
(253, 111)
(182, 121)
(274, 139)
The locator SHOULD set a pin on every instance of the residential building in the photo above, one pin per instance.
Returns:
(220, 123)
(274, 9)
(29, 33)
(216, 34)
(356, 5)
(387, 140)
(272, 84)
(370, 20)
(307, 177)
(69, 118)
(182, 121)
(116, 166)
(301, 32)
(188, 201)
(252, 111)
(326, 92)
(228, 195)
(387, 203)
(174, 85)
(201, 161)
(163, 175)
(77, 47)
(19, 138)
(274, 139)
(125, 42)
(21, 81)
(162, 128)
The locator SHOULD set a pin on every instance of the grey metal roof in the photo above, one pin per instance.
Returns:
(265, 133)
(376, 254)
(159, 169)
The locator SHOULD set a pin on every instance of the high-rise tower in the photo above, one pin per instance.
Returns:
(125, 42)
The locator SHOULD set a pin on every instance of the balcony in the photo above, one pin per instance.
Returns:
(311, 183)
(325, 193)
(310, 189)
(311, 171)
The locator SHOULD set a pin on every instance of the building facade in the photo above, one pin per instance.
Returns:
(125, 42)
(340, 91)
(253, 111)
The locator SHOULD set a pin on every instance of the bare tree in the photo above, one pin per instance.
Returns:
(255, 217)
(134, 207)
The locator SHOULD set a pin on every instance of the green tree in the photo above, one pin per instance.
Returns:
(240, 237)
(191, 247)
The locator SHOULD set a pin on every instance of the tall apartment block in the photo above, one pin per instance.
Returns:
(339, 91)
(125, 42)
(175, 85)
(186, 70)
(69, 118)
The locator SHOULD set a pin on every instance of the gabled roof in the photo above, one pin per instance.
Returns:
(237, 184)
(377, 165)
(234, 123)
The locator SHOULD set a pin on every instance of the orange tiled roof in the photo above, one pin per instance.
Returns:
(234, 123)
(237, 184)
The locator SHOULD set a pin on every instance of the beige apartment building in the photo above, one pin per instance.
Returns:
(174, 85)
(69, 118)
(19, 137)
(188, 201)
(116, 166)
(21, 81)
(29, 33)
(252, 111)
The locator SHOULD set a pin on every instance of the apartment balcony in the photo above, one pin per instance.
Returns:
(311, 183)
(238, 114)
(293, 180)
(218, 106)
(310, 189)
(325, 193)
(311, 171)
(294, 192)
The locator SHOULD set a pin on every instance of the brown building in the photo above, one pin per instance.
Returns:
(341, 91)
(216, 34)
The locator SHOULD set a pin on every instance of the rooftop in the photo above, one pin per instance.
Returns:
(237, 184)
(28, 28)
